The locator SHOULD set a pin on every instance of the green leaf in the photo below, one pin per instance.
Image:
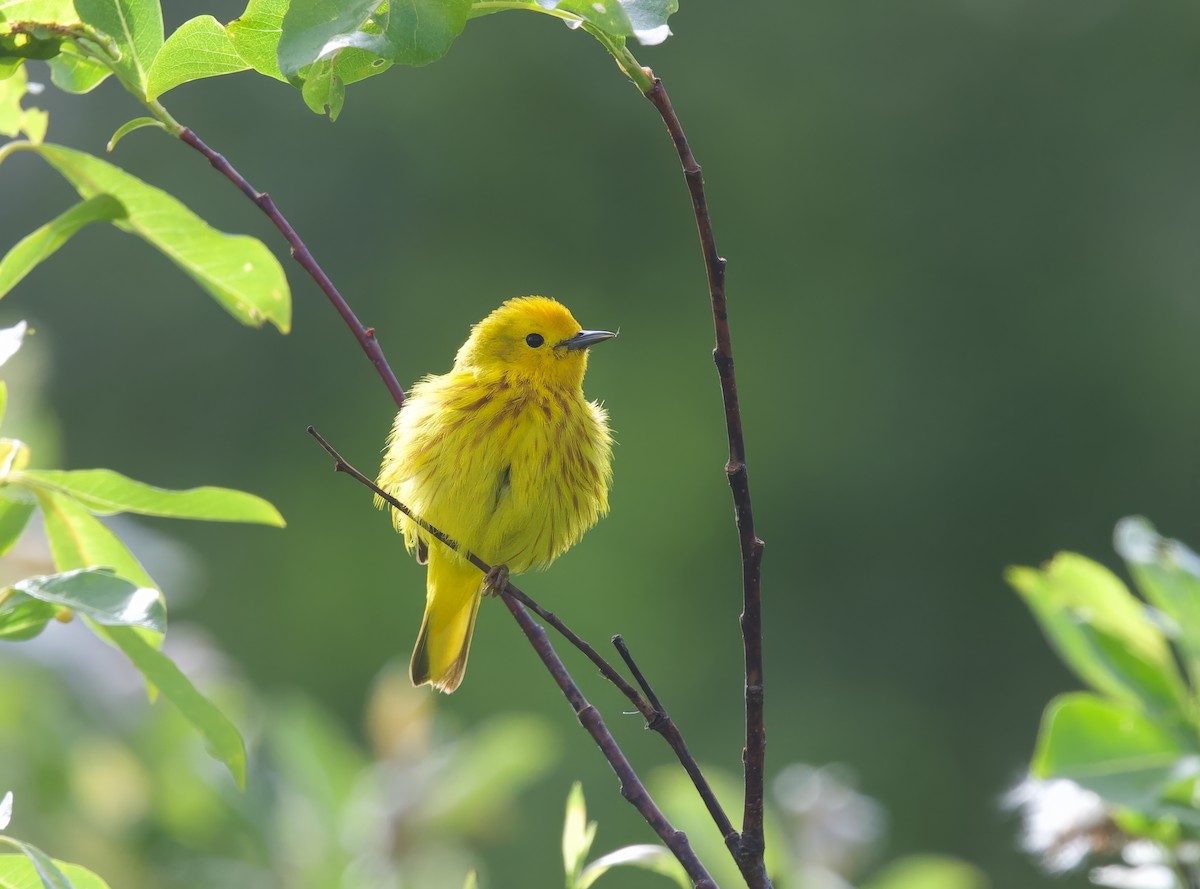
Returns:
(472, 881)
(40, 864)
(578, 834)
(99, 594)
(239, 271)
(255, 35)
(1109, 749)
(1168, 574)
(20, 872)
(929, 872)
(137, 28)
(11, 338)
(14, 516)
(58, 11)
(316, 29)
(656, 859)
(79, 540)
(23, 618)
(411, 32)
(323, 91)
(74, 73)
(138, 123)
(8, 66)
(39, 245)
(1098, 628)
(106, 492)
(421, 31)
(224, 740)
(15, 120)
(200, 48)
(645, 20)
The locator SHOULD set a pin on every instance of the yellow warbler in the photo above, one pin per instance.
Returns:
(505, 455)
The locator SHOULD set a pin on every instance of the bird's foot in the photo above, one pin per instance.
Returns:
(495, 580)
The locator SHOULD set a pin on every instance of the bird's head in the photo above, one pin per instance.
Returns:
(531, 338)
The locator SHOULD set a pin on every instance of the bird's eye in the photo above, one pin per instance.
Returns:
(534, 340)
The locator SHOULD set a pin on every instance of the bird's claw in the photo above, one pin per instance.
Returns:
(495, 580)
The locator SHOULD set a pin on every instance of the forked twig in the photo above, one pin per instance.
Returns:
(589, 717)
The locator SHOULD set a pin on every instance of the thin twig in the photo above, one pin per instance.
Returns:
(364, 335)
(751, 846)
(665, 726)
(631, 786)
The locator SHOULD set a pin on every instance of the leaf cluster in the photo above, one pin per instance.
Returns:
(1134, 737)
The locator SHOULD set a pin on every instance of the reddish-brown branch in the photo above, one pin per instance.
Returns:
(302, 255)
(516, 601)
(750, 846)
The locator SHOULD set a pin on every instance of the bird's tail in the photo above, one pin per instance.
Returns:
(451, 604)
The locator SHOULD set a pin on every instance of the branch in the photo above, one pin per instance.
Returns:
(750, 846)
(589, 717)
(364, 335)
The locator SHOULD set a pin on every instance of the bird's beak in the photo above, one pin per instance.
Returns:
(586, 338)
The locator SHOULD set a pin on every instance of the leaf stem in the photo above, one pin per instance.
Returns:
(516, 601)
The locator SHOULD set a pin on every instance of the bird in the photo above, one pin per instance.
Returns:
(505, 455)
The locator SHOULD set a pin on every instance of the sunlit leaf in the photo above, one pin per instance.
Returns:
(137, 28)
(42, 866)
(106, 492)
(23, 618)
(138, 123)
(239, 271)
(11, 338)
(199, 49)
(255, 35)
(929, 872)
(6, 809)
(578, 834)
(644, 19)
(21, 872)
(421, 31)
(74, 73)
(656, 859)
(79, 540)
(14, 456)
(39, 245)
(59, 11)
(99, 594)
(472, 881)
(1080, 604)
(16, 120)
(224, 740)
(14, 516)
(1168, 574)
(1109, 749)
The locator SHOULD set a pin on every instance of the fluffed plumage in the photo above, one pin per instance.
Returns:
(505, 455)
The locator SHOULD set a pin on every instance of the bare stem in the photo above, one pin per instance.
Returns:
(300, 252)
(665, 726)
(750, 846)
(631, 786)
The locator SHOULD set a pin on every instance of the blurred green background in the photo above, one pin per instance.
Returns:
(963, 290)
